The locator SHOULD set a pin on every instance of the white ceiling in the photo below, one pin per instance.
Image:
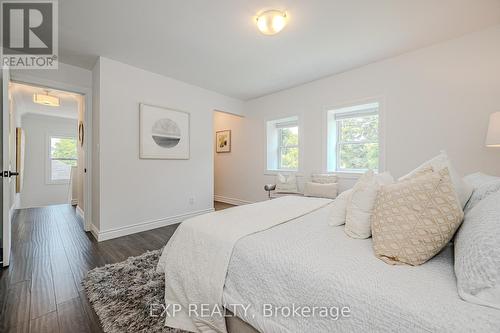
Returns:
(216, 45)
(23, 97)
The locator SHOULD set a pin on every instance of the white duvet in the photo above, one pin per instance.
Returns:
(196, 258)
(306, 262)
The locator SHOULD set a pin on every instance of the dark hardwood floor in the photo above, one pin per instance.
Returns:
(41, 290)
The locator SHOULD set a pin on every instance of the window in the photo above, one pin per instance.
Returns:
(283, 144)
(353, 138)
(62, 156)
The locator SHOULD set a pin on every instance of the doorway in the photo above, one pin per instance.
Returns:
(44, 144)
(45, 147)
(228, 132)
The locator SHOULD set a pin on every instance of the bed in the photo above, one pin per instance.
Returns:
(306, 262)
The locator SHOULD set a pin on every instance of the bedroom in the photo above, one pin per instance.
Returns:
(420, 77)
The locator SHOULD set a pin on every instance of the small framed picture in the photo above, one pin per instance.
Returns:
(223, 141)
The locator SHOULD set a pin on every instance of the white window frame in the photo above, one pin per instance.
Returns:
(274, 147)
(48, 163)
(332, 134)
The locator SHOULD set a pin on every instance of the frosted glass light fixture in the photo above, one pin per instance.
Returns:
(46, 99)
(493, 135)
(270, 22)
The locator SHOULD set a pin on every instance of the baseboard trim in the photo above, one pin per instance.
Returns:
(144, 226)
(74, 202)
(80, 213)
(231, 201)
(94, 231)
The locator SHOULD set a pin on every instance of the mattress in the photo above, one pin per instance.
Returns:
(306, 263)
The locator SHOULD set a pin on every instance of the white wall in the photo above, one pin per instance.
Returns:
(36, 192)
(138, 194)
(435, 98)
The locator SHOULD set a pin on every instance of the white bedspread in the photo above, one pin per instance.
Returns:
(308, 262)
(196, 258)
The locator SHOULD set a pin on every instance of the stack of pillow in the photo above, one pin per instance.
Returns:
(322, 186)
(413, 218)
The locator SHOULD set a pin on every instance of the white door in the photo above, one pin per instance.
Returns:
(6, 171)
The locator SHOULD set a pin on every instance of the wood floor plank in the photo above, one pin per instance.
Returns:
(93, 319)
(20, 269)
(20, 328)
(64, 282)
(45, 324)
(72, 316)
(17, 306)
(43, 300)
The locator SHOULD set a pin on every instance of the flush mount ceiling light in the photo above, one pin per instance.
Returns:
(46, 99)
(270, 22)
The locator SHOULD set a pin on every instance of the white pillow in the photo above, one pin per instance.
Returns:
(338, 208)
(438, 163)
(361, 202)
(323, 178)
(320, 190)
(477, 253)
(286, 183)
(478, 179)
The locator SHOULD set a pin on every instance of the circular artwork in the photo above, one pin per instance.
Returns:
(166, 133)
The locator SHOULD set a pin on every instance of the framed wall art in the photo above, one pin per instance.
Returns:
(164, 133)
(223, 141)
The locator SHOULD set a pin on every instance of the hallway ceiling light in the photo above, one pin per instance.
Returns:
(271, 22)
(46, 99)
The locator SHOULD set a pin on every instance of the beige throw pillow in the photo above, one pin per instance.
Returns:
(414, 219)
(319, 190)
(323, 178)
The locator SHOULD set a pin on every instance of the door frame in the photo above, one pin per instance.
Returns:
(86, 92)
(5, 162)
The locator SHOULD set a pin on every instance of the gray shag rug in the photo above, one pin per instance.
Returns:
(122, 294)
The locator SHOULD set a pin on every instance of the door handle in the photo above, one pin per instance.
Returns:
(8, 174)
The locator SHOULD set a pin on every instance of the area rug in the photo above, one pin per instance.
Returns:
(122, 294)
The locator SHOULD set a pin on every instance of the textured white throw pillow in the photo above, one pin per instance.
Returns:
(481, 192)
(338, 208)
(286, 183)
(323, 178)
(478, 179)
(438, 163)
(361, 202)
(320, 190)
(477, 253)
